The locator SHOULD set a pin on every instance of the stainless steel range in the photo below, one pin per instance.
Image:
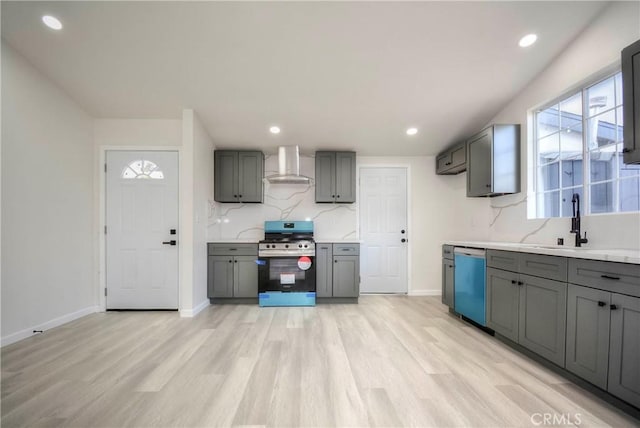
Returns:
(286, 264)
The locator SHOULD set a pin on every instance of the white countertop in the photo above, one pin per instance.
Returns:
(611, 255)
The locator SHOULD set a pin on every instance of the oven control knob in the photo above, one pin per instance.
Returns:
(306, 246)
(286, 245)
(300, 245)
(268, 246)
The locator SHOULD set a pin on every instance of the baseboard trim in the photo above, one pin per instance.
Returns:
(190, 313)
(425, 293)
(28, 332)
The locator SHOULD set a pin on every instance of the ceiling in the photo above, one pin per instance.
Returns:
(332, 75)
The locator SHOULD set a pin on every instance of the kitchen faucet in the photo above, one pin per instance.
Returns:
(575, 221)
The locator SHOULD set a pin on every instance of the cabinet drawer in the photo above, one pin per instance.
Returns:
(346, 249)
(550, 267)
(447, 252)
(231, 249)
(621, 278)
(506, 260)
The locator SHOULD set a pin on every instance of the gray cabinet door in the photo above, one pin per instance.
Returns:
(447, 282)
(220, 276)
(325, 176)
(250, 175)
(324, 270)
(346, 276)
(624, 356)
(631, 101)
(245, 276)
(458, 157)
(225, 176)
(443, 162)
(588, 333)
(479, 180)
(345, 177)
(543, 317)
(503, 300)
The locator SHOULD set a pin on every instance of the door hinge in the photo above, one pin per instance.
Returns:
(105, 291)
(105, 229)
(105, 167)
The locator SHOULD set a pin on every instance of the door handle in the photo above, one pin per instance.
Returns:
(601, 303)
(403, 240)
(172, 242)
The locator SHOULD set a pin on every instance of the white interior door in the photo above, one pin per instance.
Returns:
(383, 226)
(141, 211)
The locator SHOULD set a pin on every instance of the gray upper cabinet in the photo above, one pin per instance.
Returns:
(493, 161)
(588, 333)
(543, 316)
(624, 351)
(452, 161)
(238, 176)
(335, 177)
(631, 102)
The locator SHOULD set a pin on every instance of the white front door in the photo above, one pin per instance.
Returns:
(383, 227)
(141, 215)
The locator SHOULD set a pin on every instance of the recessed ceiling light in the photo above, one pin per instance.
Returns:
(52, 22)
(412, 131)
(528, 40)
(274, 129)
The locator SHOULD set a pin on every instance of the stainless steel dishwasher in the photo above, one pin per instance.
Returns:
(469, 283)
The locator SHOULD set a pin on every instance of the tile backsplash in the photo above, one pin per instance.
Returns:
(282, 202)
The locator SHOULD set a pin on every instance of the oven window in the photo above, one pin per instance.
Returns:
(277, 267)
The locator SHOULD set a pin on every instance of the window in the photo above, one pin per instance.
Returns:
(578, 149)
(142, 169)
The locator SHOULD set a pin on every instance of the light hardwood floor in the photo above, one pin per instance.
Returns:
(389, 361)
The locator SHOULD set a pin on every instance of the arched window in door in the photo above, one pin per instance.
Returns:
(144, 169)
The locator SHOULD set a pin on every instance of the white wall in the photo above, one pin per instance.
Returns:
(202, 199)
(47, 203)
(597, 48)
(436, 213)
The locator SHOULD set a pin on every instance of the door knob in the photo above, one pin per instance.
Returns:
(403, 240)
(172, 242)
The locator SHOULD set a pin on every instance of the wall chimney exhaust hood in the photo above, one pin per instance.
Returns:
(288, 167)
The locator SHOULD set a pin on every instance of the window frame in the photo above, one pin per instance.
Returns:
(535, 164)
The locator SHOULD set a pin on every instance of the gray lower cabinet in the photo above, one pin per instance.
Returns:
(338, 270)
(324, 270)
(588, 322)
(624, 348)
(335, 177)
(238, 176)
(447, 276)
(503, 301)
(528, 309)
(232, 271)
(447, 282)
(543, 315)
(346, 276)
